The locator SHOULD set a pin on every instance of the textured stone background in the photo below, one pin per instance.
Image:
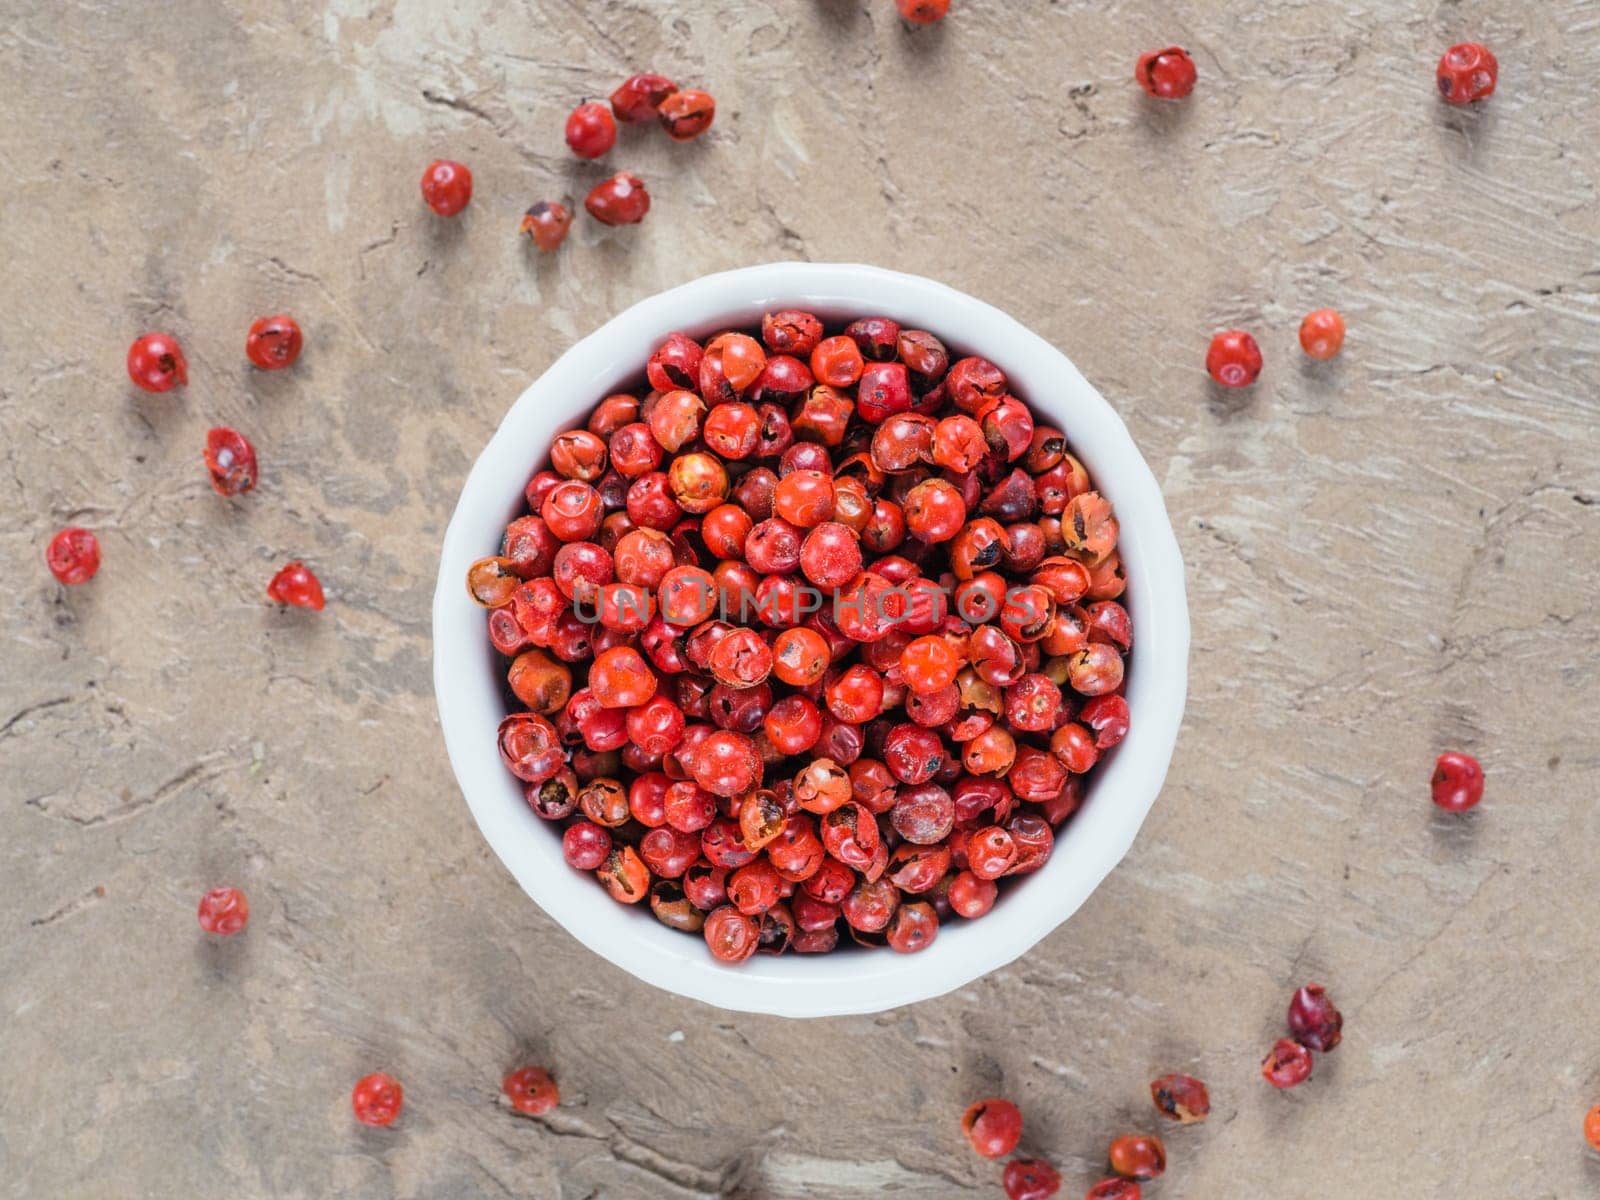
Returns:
(1387, 556)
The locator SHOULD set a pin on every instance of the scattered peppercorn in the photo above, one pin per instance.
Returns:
(1287, 1065)
(923, 12)
(73, 556)
(620, 200)
(1313, 1020)
(231, 461)
(377, 1099)
(273, 342)
(1457, 781)
(993, 1126)
(531, 1091)
(295, 585)
(1137, 1156)
(1181, 1097)
(1234, 359)
(1030, 1179)
(1322, 333)
(639, 97)
(546, 224)
(1166, 74)
(446, 187)
(1591, 1128)
(591, 130)
(1467, 72)
(224, 911)
(686, 115)
(156, 362)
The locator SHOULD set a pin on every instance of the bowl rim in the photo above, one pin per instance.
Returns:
(1092, 844)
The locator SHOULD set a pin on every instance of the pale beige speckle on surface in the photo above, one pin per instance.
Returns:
(1391, 554)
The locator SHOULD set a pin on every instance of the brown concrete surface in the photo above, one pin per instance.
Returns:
(1388, 556)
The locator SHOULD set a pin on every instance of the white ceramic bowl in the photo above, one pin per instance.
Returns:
(467, 673)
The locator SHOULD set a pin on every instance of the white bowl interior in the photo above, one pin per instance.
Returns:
(468, 673)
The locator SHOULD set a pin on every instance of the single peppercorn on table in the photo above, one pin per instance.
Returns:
(1391, 554)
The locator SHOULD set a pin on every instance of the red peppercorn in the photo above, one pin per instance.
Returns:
(1181, 1097)
(1007, 426)
(231, 461)
(837, 362)
(624, 876)
(620, 678)
(1287, 1065)
(912, 928)
(377, 1099)
(1234, 359)
(831, 555)
(1114, 1189)
(923, 12)
(731, 936)
(934, 511)
(741, 659)
(1108, 717)
(156, 362)
(1166, 74)
(585, 846)
(531, 1091)
(970, 896)
(804, 498)
(699, 482)
(224, 911)
(686, 115)
(923, 815)
(1095, 670)
(295, 585)
(1075, 747)
(993, 1126)
(928, 664)
(991, 852)
(591, 130)
(620, 200)
(573, 511)
(639, 97)
(732, 430)
(675, 364)
(884, 390)
(800, 657)
(446, 187)
(1591, 1128)
(675, 419)
(531, 749)
(1322, 333)
(1467, 72)
(754, 888)
(1313, 1020)
(273, 342)
(547, 223)
(1457, 782)
(73, 555)
(1135, 1156)
(1030, 1179)
(959, 443)
(791, 332)
(972, 381)
(726, 763)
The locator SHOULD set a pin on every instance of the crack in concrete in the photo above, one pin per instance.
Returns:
(198, 771)
(70, 908)
(22, 713)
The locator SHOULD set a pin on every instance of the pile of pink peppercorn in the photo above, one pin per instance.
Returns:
(817, 635)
